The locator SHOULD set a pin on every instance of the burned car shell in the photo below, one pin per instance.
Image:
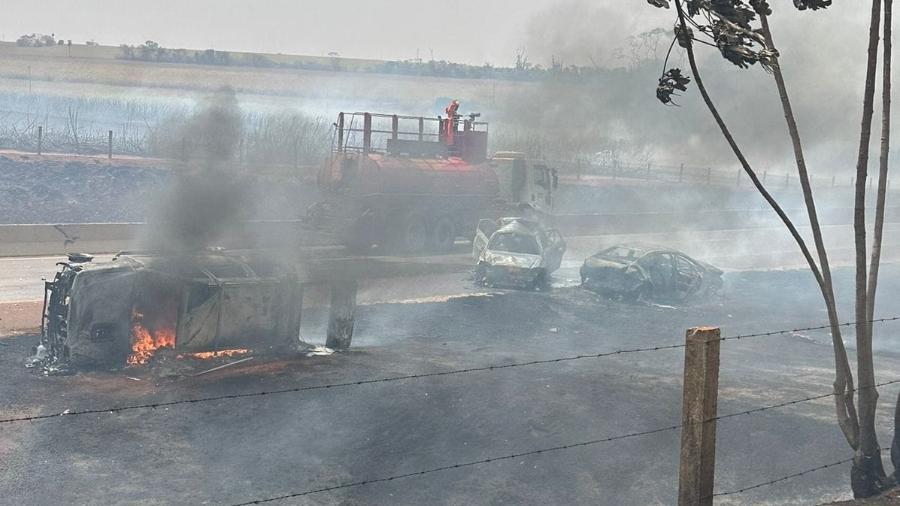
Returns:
(649, 272)
(516, 252)
(210, 301)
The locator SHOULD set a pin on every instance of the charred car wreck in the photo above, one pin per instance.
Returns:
(516, 252)
(121, 312)
(649, 273)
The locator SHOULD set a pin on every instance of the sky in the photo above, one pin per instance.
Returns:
(466, 31)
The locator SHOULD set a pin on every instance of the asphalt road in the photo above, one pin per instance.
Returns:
(231, 451)
(734, 249)
(237, 450)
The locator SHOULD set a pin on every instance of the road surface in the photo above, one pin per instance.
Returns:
(237, 450)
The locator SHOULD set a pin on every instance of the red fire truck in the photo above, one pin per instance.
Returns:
(415, 184)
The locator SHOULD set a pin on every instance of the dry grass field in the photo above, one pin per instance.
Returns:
(94, 71)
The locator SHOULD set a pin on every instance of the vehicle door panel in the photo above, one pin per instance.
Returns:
(659, 267)
(555, 249)
(687, 277)
(483, 233)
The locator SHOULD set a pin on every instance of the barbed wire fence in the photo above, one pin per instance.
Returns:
(497, 458)
(493, 367)
(696, 175)
(286, 140)
(298, 141)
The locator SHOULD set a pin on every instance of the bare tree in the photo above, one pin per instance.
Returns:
(728, 26)
(843, 383)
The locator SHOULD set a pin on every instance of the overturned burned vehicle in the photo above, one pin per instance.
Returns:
(649, 273)
(516, 252)
(118, 313)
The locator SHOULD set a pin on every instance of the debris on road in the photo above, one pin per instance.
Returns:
(319, 351)
(223, 366)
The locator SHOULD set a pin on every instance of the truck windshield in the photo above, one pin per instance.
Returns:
(515, 243)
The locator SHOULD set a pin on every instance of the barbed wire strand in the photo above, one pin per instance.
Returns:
(154, 405)
(458, 466)
(788, 477)
(807, 329)
(574, 445)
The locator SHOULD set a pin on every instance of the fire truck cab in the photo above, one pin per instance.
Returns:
(524, 181)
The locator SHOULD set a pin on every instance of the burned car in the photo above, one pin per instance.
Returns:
(122, 312)
(516, 252)
(649, 273)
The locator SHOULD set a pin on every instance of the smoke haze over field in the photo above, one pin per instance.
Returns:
(822, 57)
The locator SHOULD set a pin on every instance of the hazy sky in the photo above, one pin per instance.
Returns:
(471, 31)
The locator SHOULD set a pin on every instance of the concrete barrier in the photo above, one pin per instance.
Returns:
(56, 239)
(59, 239)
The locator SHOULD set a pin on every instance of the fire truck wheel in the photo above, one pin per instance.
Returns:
(443, 234)
(414, 234)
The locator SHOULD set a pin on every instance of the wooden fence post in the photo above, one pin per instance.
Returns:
(696, 471)
(40, 138)
(109, 153)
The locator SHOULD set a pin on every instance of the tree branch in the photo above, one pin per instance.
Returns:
(743, 161)
(843, 381)
(868, 456)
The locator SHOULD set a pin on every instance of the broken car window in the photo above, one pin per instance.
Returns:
(515, 243)
(618, 252)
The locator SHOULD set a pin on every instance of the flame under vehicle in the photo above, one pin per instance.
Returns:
(121, 312)
(649, 273)
(413, 184)
(516, 252)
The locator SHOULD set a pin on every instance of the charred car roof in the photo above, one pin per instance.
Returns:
(212, 266)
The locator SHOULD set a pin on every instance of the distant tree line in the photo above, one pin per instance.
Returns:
(523, 69)
(37, 40)
(152, 51)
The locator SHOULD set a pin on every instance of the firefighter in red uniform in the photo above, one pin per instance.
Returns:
(452, 120)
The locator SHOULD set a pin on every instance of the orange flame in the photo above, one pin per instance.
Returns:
(145, 342)
(215, 354)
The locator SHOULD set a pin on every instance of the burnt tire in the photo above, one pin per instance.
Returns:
(443, 235)
(413, 233)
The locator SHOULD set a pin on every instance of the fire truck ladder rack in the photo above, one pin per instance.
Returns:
(399, 134)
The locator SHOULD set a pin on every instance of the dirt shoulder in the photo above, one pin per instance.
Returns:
(20, 317)
(889, 498)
